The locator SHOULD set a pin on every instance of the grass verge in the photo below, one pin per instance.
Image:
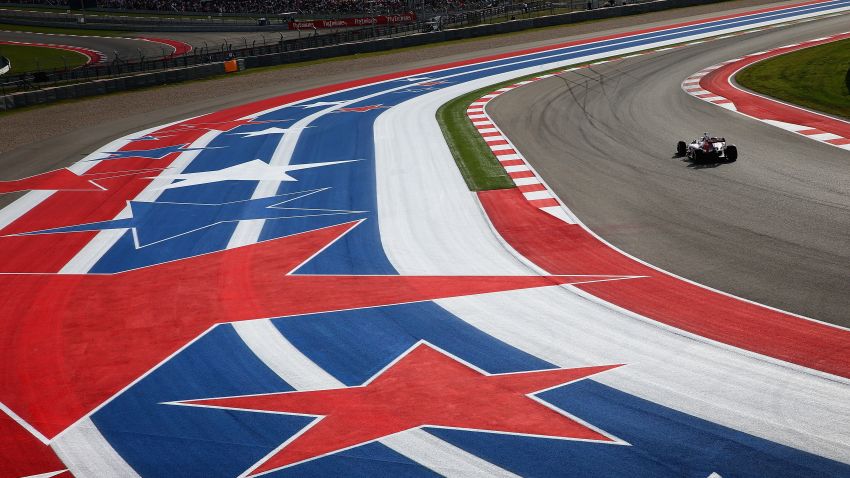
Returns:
(812, 77)
(33, 58)
(478, 165)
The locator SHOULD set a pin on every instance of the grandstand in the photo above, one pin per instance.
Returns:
(302, 7)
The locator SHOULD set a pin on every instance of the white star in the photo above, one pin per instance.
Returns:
(321, 103)
(273, 130)
(417, 78)
(256, 170)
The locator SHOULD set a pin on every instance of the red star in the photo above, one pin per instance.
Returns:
(66, 180)
(213, 125)
(59, 180)
(77, 340)
(424, 387)
(361, 109)
(432, 83)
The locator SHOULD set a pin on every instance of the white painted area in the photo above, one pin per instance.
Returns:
(295, 368)
(87, 454)
(467, 215)
(671, 368)
(427, 226)
(526, 181)
(46, 475)
(104, 240)
(254, 171)
(441, 457)
(823, 136)
(248, 232)
(28, 201)
(537, 195)
(560, 213)
(517, 168)
(283, 358)
(501, 147)
(509, 157)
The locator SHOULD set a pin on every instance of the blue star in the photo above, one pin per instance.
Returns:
(156, 153)
(155, 222)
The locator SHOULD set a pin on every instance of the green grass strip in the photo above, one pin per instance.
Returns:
(478, 165)
(811, 77)
(480, 168)
(32, 58)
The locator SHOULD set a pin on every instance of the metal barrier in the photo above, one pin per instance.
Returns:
(308, 40)
(312, 47)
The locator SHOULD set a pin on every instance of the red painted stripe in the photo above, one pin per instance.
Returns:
(513, 162)
(93, 56)
(838, 141)
(809, 132)
(544, 202)
(521, 174)
(80, 393)
(504, 152)
(496, 142)
(21, 454)
(530, 188)
(179, 47)
(490, 135)
(561, 248)
(67, 359)
(763, 108)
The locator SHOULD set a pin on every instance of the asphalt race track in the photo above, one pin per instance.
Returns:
(127, 48)
(773, 227)
(303, 285)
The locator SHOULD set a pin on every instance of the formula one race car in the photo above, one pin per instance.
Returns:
(707, 149)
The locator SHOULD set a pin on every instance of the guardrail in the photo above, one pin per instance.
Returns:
(308, 40)
(73, 19)
(27, 89)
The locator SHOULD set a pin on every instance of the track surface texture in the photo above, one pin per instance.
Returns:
(304, 286)
(126, 48)
(772, 227)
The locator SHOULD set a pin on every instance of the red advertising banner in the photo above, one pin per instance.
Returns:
(353, 22)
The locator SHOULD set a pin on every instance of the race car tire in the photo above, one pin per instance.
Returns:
(699, 156)
(681, 148)
(732, 152)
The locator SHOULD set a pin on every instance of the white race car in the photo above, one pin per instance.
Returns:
(706, 149)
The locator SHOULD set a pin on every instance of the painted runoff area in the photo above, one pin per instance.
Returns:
(193, 298)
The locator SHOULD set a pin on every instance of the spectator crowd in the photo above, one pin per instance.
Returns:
(274, 7)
